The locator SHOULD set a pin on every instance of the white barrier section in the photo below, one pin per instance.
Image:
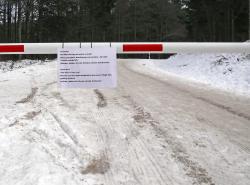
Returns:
(87, 68)
(207, 47)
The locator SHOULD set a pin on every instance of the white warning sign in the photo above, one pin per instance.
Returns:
(87, 68)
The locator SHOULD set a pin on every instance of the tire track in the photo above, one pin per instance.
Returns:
(65, 129)
(226, 108)
(138, 148)
(102, 102)
(65, 103)
(193, 169)
(30, 96)
(103, 136)
(151, 167)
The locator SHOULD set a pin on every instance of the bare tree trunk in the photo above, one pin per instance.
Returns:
(15, 23)
(232, 23)
(4, 21)
(27, 21)
(19, 22)
(32, 23)
(119, 26)
(81, 12)
(135, 22)
(249, 20)
(9, 16)
(19, 9)
(39, 22)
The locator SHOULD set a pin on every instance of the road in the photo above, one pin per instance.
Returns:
(150, 130)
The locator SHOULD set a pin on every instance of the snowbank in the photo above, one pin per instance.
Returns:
(37, 144)
(10, 65)
(229, 72)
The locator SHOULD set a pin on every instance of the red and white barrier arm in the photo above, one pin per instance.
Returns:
(125, 48)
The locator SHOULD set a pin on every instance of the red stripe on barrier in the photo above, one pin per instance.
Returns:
(142, 47)
(11, 48)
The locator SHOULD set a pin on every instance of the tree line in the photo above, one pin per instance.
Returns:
(123, 20)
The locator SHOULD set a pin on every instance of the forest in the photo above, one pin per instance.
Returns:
(124, 20)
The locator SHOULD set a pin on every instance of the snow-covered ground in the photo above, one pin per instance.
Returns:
(145, 132)
(230, 72)
(48, 136)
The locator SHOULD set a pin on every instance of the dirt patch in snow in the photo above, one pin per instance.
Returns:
(97, 166)
(141, 117)
(4, 81)
(30, 96)
(59, 97)
(17, 122)
(102, 102)
(27, 116)
(51, 83)
(47, 86)
(31, 115)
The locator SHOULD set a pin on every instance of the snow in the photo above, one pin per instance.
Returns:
(230, 72)
(51, 136)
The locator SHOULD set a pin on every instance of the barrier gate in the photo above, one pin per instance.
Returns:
(126, 48)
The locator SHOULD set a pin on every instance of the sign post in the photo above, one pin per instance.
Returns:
(87, 67)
